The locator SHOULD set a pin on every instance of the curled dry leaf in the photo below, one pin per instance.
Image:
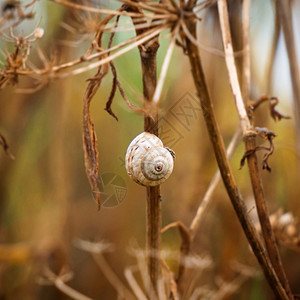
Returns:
(275, 114)
(112, 95)
(185, 246)
(266, 134)
(90, 144)
(273, 102)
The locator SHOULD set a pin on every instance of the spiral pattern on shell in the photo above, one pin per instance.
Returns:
(147, 161)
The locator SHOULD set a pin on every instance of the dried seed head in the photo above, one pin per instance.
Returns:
(291, 230)
(38, 32)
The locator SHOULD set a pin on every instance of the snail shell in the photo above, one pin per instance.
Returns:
(147, 161)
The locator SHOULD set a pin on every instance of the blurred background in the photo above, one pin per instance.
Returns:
(45, 199)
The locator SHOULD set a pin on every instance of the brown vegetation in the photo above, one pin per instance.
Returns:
(52, 76)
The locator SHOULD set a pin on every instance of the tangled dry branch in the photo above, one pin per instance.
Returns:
(148, 20)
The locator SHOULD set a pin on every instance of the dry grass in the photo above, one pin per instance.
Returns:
(45, 197)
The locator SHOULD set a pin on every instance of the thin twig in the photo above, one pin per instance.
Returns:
(58, 282)
(115, 55)
(272, 53)
(112, 12)
(284, 11)
(137, 26)
(211, 50)
(51, 72)
(164, 68)
(232, 72)
(69, 291)
(142, 258)
(161, 290)
(133, 284)
(173, 285)
(212, 186)
(102, 52)
(246, 76)
(114, 71)
(158, 10)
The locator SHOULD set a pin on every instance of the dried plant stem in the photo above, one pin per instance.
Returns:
(149, 69)
(113, 56)
(250, 144)
(69, 291)
(285, 15)
(103, 58)
(225, 169)
(165, 66)
(246, 53)
(230, 62)
(111, 12)
(272, 54)
(60, 285)
(145, 6)
(90, 143)
(134, 285)
(110, 275)
(148, 54)
(153, 231)
(131, 28)
(263, 214)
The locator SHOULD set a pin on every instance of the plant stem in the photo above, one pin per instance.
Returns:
(225, 169)
(148, 60)
(148, 51)
(246, 75)
(263, 214)
(250, 138)
(230, 62)
(272, 54)
(283, 8)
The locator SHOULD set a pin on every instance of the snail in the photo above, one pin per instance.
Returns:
(147, 161)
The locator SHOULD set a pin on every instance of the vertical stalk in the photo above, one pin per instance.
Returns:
(246, 74)
(225, 169)
(249, 137)
(263, 214)
(272, 54)
(283, 8)
(148, 52)
(148, 61)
